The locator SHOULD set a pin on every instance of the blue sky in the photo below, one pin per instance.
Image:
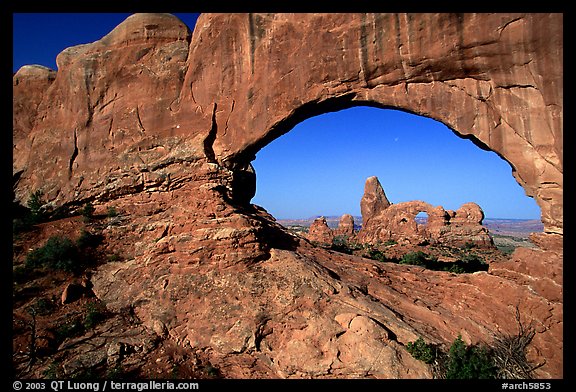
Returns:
(39, 37)
(319, 168)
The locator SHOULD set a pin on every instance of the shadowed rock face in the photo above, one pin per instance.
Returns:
(162, 124)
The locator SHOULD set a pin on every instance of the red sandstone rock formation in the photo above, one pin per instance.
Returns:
(153, 96)
(345, 227)
(374, 200)
(320, 232)
(29, 86)
(383, 221)
(163, 125)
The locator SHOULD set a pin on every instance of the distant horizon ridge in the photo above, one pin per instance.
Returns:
(360, 217)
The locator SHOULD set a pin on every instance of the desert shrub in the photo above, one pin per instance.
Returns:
(211, 371)
(456, 268)
(390, 243)
(88, 240)
(470, 263)
(341, 244)
(509, 352)
(72, 327)
(415, 258)
(58, 253)
(35, 204)
(43, 306)
(88, 211)
(117, 372)
(53, 371)
(94, 313)
(61, 253)
(461, 361)
(376, 254)
(111, 212)
(504, 358)
(422, 351)
(114, 257)
(466, 264)
(469, 362)
(87, 373)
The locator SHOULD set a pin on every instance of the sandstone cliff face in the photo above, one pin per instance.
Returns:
(148, 95)
(29, 85)
(162, 125)
(495, 78)
(107, 120)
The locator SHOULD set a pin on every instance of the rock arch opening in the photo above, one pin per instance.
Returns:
(421, 218)
(319, 166)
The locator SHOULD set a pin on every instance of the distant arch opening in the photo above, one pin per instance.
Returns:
(421, 218)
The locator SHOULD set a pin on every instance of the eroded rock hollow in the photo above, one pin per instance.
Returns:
(162, 124)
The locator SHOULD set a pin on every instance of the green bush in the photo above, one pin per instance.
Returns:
(461, 362)
(95, 312)
(58, 253)
(112, 212)
(88, 211)
(469, 263)
(422, 351)
(340, 244)
(35, 204)
(88, 240)
(469, 362)
(415, 258)
(43, 306)
(72, 327)
(117, 372)
(53, 371)
(376, 254)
